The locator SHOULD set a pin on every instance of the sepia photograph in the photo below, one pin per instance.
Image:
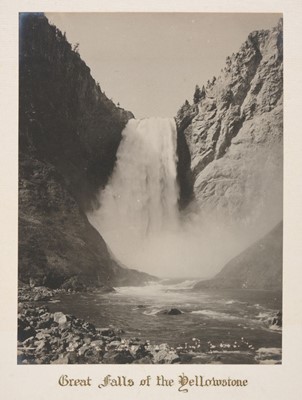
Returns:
(150, 194)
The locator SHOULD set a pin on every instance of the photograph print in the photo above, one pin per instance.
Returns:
(150, 188)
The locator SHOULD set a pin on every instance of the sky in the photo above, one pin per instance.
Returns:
(151, 62)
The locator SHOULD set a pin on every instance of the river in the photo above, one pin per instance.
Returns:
(225, 326)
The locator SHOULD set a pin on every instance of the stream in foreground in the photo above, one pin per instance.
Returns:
(225, 326)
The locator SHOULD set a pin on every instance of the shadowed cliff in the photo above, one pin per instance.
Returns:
(69, 132)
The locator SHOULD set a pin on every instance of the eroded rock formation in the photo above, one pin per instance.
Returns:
(234, 131)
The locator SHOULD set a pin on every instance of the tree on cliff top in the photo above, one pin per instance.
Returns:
(199, 94)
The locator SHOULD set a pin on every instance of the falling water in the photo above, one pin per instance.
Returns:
(139, 217)
(139, 206)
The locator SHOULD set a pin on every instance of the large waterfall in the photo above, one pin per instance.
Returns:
(143, 192)
(139, 206)
(138, 215)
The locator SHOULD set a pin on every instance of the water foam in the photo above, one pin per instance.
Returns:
(139, 215)
(214, 314)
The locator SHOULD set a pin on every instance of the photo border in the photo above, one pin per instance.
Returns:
(264, 381)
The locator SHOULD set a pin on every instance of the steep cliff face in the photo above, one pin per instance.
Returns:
(258, 267)
(69, 132)
(65, 118)
(234, 133)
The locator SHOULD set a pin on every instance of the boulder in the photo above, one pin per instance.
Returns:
(118, 357)
(114, 344)
(25, 331)
(59, 318)
(107, 332)
(165, 357)
(277, 320)
(172, 311)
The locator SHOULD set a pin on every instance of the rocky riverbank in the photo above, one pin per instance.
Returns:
(58, 338)
(46, 335)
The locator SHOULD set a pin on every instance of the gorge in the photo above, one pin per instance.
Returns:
(227, 163)
(145, 214)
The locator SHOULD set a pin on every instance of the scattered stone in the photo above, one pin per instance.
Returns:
(277, 320)
(83, 349)
(72, 357)
(114, 344)
(97, 343)
(172, 311)
(159, 357)
(164, 346)
(186, 358)
(93, 356)
(87, 340)
(59, 318)
(118, 357)
(166, 357)
(25, 332)
(107, 332)
(58, 338)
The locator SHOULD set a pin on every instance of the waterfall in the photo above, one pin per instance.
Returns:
(138, 215)
(139, 206)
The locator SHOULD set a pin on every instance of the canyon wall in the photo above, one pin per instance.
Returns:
(234, 132)
(69, 132)
(229, 142)
(257, 267)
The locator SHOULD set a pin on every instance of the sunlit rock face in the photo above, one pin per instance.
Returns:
(234, 134)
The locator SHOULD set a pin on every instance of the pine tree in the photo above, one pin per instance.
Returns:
(199, 94)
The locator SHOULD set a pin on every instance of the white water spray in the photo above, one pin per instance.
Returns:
(139, 217)
(139, 206)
